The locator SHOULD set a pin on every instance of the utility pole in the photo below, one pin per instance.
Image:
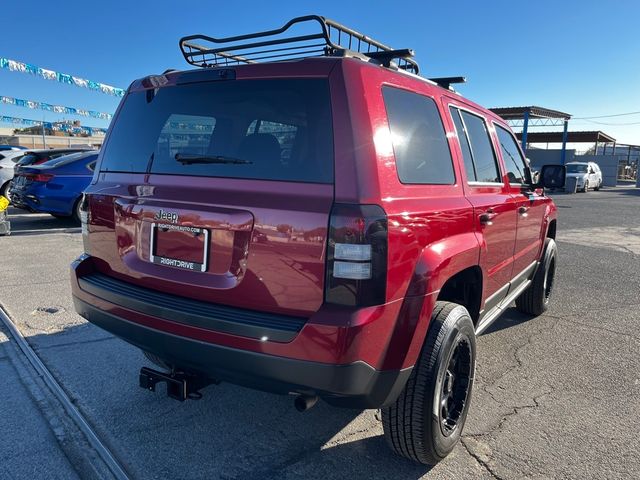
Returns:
(44, 141)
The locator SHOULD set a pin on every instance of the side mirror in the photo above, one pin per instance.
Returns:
(552, 176)
(535, 176)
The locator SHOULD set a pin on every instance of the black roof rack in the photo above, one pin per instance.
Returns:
(446, 82)
(332, 39)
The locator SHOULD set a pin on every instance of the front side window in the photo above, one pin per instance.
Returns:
(516, 166)
(418, 137)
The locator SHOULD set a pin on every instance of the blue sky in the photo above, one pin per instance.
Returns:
(581, 57)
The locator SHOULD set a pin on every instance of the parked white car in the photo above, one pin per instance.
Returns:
(8, 160)
(588, 175)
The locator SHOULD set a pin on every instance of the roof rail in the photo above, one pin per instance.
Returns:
(332, 39)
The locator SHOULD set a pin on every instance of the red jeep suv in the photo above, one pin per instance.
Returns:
(318, 221)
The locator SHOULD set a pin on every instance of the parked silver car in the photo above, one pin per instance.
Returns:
(588, 175)
(8, 160)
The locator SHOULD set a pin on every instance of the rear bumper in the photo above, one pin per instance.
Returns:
(34, 201)
(19, 200)
(354, 384)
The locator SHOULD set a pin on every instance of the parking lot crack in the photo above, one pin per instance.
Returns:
(516, 356)
(513, 409)
(479, 450)
(482, 458)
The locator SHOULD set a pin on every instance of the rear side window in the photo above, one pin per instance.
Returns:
(276, 129)
(464, 145)
(474, 129)
(516, 168)
(419, 140)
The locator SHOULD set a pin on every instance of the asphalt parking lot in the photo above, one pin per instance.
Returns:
(557, 396)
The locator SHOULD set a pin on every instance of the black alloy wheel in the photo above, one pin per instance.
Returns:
(454, 393)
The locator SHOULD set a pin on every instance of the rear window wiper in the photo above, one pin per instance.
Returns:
(187, 159)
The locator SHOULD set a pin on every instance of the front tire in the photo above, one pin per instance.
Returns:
(586, 186)
(426, 421)
(535, 299)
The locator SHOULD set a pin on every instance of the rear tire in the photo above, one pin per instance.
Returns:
(597, 189)
(535, 299)
(426, 421)
(4, 190)
(76, 211)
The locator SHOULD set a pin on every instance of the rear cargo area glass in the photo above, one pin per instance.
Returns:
(275, 129)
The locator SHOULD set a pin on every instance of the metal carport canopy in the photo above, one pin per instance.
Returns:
(572, 137)
(540, 115)
(520, 113)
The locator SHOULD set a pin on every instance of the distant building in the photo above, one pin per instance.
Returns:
(31, 137)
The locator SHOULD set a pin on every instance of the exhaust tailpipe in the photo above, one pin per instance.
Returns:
(305, 402)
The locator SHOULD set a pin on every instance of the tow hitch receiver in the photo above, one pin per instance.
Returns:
(180, 386)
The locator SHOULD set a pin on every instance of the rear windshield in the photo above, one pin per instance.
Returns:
(70, 158)
(262, 129)
(28, 159)
(41, 157)
(576, 168)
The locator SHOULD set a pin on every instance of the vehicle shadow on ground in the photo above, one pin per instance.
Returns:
(27, 223)
(510, 318)
(232, 432)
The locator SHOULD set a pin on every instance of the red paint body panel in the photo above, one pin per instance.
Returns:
(251, 266)
(433, 230)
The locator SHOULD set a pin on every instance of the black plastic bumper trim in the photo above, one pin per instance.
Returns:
(236, 321)
(354, 385)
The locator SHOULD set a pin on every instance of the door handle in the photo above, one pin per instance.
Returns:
(487, 217)
(523, 211)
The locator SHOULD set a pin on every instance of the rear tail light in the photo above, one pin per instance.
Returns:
(40, 177)
(83, 214)
(356, 256)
